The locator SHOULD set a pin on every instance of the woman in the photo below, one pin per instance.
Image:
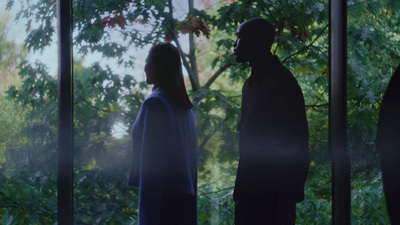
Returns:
(163, 163)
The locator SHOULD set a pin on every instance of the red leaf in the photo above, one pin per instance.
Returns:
(168, 37)
(307, 35)
(121, 21)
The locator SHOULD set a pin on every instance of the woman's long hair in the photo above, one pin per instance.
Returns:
(166, 61)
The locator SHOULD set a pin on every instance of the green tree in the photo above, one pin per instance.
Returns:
(373, 53)
(98, 105)
(97, 22)
(104, 98)
(11, 118)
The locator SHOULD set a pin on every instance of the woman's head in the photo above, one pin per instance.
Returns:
(163, 67)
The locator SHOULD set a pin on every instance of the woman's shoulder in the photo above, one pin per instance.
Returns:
(157, 95)
(159, 103)
(154, 103)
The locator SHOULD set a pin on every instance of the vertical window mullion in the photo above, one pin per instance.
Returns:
(337, 112)
(65, 114)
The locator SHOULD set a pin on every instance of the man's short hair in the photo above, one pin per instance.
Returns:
(259, 30)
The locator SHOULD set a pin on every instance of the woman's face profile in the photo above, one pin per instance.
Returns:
(149, 70)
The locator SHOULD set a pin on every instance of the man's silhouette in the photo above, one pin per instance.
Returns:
(388, 145)
(273, 140)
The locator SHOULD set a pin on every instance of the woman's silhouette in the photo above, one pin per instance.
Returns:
(163, 162)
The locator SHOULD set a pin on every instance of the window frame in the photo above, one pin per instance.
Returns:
(337, 112)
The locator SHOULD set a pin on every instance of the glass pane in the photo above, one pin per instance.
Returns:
(111, 44)
(373, 51)
(107, 96)
(28, 117)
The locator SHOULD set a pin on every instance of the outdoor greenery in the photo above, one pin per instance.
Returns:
(104, 99)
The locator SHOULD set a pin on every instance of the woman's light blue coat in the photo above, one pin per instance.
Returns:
(163, 158)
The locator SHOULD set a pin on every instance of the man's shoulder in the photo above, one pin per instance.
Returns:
(278, 76)
(285, 76)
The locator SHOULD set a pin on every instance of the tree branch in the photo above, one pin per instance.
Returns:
(171, 28)
(212, 132)
(306, 47)
(315, 106)
(215, 192)
(192, 54)
(392, 53)
(215, 202)
(206, 138)
(186, 65)
(217, 73)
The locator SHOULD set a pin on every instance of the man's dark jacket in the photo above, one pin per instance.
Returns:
(388, 145)
(273, 141)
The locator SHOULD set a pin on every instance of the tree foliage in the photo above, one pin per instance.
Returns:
(11, 119)
(204, 35)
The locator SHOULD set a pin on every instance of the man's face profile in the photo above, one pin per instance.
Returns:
(241, 47)
(254, 40)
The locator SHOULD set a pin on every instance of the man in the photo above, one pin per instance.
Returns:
(388, 145)
(273, 140)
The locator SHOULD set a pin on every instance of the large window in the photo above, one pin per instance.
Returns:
(110, 42)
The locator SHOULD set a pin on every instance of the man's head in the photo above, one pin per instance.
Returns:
(254, 39)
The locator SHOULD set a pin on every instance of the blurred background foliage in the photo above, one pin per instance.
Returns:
(106, 101)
